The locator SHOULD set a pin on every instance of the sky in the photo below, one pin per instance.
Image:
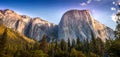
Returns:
(52, 10)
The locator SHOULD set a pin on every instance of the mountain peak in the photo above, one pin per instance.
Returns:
(6, 11)
(79, 24)
(31, 27)
(77, 14)
(77, 11)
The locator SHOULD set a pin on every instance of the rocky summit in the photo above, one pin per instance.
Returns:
(74, 24)
(80, 24)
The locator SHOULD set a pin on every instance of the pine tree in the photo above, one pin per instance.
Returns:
(86, 47)
(117, 31)
(93, 44)
(63, 45)
(1, 21)
(44, 44)
(100, 46)
(69, 46)
(56, 44)
(78, 43)
(3, 40)
(73, 43)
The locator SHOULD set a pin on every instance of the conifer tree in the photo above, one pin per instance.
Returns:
(73, 43)
(44, 44)
(3, 40)
(78, 43)
(63, 45)
(69, 45)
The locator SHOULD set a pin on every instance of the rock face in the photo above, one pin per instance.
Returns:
(74, 24)
(79, 24)
(31, 27)
(38, 27)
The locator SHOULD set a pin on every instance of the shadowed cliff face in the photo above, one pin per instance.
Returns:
(32, 27)
(38, 27)
(74, 24)
(79, 24)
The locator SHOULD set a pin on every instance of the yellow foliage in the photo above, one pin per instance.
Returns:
(75, 53)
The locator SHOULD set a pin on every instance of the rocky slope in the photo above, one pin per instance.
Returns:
(31, 27)
(12, 41)
(79, 24)
(38, 27)
(74, 24)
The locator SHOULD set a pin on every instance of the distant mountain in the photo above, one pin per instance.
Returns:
(80, 24)
(74, 24)
(32, 27)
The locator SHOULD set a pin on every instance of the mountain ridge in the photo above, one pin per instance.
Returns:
(22, 23)
(36, 27)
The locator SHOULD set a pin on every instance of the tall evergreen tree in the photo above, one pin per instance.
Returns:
(56, 44)
(69, 45)
(63, 45)
(100, 46)
(3, 40)
(44, 44)
(117, 31)
(73, 43)
(93, 44)
(1, 21)
(78, 44)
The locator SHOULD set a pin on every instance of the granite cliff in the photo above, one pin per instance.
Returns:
(32, 27)
(80, 24)
(74, 24)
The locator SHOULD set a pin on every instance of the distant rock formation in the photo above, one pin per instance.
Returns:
(74, 24)
(32, 27)
(79, 24)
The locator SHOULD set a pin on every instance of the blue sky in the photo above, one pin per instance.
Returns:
(52, 10)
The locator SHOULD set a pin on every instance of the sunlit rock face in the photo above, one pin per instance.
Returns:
(13, 20)
(74, 24)
(32, 27)
(39, 27)
(79, 24)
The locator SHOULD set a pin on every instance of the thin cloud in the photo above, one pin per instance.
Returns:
(112, 8)
(113, 3)
(114, 18)
(83, 4)
(86, 3)
(89, 1)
